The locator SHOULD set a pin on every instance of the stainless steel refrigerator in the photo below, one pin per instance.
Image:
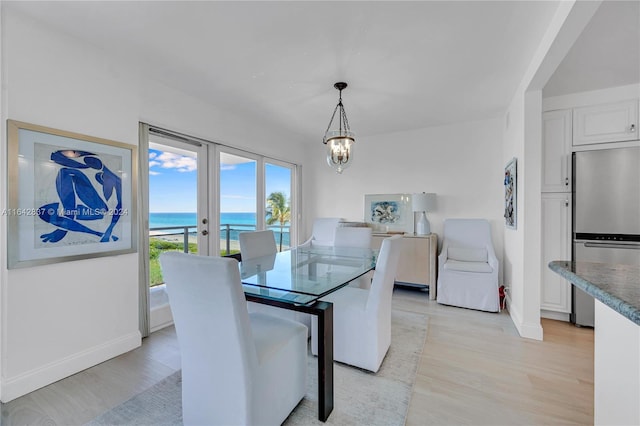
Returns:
(606, 215)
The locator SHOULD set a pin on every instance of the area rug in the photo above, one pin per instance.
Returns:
(360, 397)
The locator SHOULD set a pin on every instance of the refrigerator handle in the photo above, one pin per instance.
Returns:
(614, 245)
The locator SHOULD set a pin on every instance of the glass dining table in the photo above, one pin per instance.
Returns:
(296, 279)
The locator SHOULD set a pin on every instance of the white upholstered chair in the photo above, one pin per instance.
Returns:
(323, 231)
(468, 266)
(237, 368)
(362, 318)
(255, 244)
(348, 236)
(359, 237)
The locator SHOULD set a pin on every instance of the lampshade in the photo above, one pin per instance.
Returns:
(423, 202)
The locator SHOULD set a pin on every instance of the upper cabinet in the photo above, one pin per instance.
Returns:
(556, 151)
(612, 122)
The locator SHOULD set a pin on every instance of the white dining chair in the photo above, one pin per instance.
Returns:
(323, 231)
(237, 368)
(254, 244)
(362, 318)
(359, 237)
(352, 236)
(257, 244)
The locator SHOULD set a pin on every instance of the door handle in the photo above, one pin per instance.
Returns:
(204, 232)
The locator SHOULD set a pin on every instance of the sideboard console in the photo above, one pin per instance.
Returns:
(417, 266)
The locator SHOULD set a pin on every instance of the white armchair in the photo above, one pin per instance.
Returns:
(237, 368)
(362, 318)
(468, 266)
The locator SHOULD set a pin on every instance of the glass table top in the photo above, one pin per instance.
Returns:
(304, 274)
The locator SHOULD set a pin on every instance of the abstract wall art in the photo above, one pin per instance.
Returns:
(71, 196)
(510, 194)
(388, 212)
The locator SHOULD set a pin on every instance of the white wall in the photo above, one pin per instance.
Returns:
(461, 163)
(522, 139)
(59, 319)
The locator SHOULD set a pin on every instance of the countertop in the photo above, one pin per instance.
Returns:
(617, 286)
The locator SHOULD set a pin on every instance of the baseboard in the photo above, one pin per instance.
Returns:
(529, 331)
(14, 387)
(160, 317)
(558, 316)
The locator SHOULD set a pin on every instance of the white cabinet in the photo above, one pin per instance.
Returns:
(417, 264)
(613, 122)
(556, 151)
(555, 292)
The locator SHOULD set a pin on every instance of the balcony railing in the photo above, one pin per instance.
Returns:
(183, 238)
(228, 235)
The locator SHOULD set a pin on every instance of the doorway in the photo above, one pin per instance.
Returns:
(196, 197)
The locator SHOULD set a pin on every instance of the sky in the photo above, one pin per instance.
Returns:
(173, 183)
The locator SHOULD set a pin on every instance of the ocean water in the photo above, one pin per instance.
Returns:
(237, 222)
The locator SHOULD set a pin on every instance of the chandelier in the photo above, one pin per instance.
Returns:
(339, 141)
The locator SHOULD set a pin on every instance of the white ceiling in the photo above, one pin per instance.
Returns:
(408, 64)
(607, 53)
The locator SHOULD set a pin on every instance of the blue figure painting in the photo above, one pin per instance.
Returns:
(80, 203)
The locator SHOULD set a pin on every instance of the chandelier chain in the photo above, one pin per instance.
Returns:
(331, 121)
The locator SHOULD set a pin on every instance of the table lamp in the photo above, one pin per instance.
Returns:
(423, 203)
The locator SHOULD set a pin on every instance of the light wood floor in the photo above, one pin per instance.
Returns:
(474, 370)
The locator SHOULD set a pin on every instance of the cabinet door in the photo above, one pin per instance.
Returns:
(555, 292)
(556, 151)
(606, 123)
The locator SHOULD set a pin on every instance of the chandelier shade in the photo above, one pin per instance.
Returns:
(339, 141)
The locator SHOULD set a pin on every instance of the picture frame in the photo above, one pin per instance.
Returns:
(511, 194)
(388, 213)
(71, 196)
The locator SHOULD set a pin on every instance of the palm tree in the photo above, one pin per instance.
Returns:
(278, 211)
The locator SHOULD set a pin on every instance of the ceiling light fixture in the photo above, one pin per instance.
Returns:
(339, 141)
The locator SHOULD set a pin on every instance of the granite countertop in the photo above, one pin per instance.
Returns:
(617, 286)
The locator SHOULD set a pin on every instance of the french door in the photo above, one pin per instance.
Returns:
(196, 196)
(201, 194)
(179, 192)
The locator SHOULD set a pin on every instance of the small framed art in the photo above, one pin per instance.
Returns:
(510, 194)
(388, 212)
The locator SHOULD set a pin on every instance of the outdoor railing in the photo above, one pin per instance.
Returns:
(170, 238)
(228, 234)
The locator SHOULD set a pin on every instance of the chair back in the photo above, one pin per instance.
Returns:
(257, 244)
(467, 233)
(214, 333)
(353, 237)
(384, 276)
(324, 230)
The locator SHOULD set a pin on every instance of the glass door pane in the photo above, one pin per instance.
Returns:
(238, 195)
(176, 212)
(278, 205)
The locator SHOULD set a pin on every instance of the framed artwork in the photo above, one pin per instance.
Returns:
(388, 212)
(71, 196)
(510, 194)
